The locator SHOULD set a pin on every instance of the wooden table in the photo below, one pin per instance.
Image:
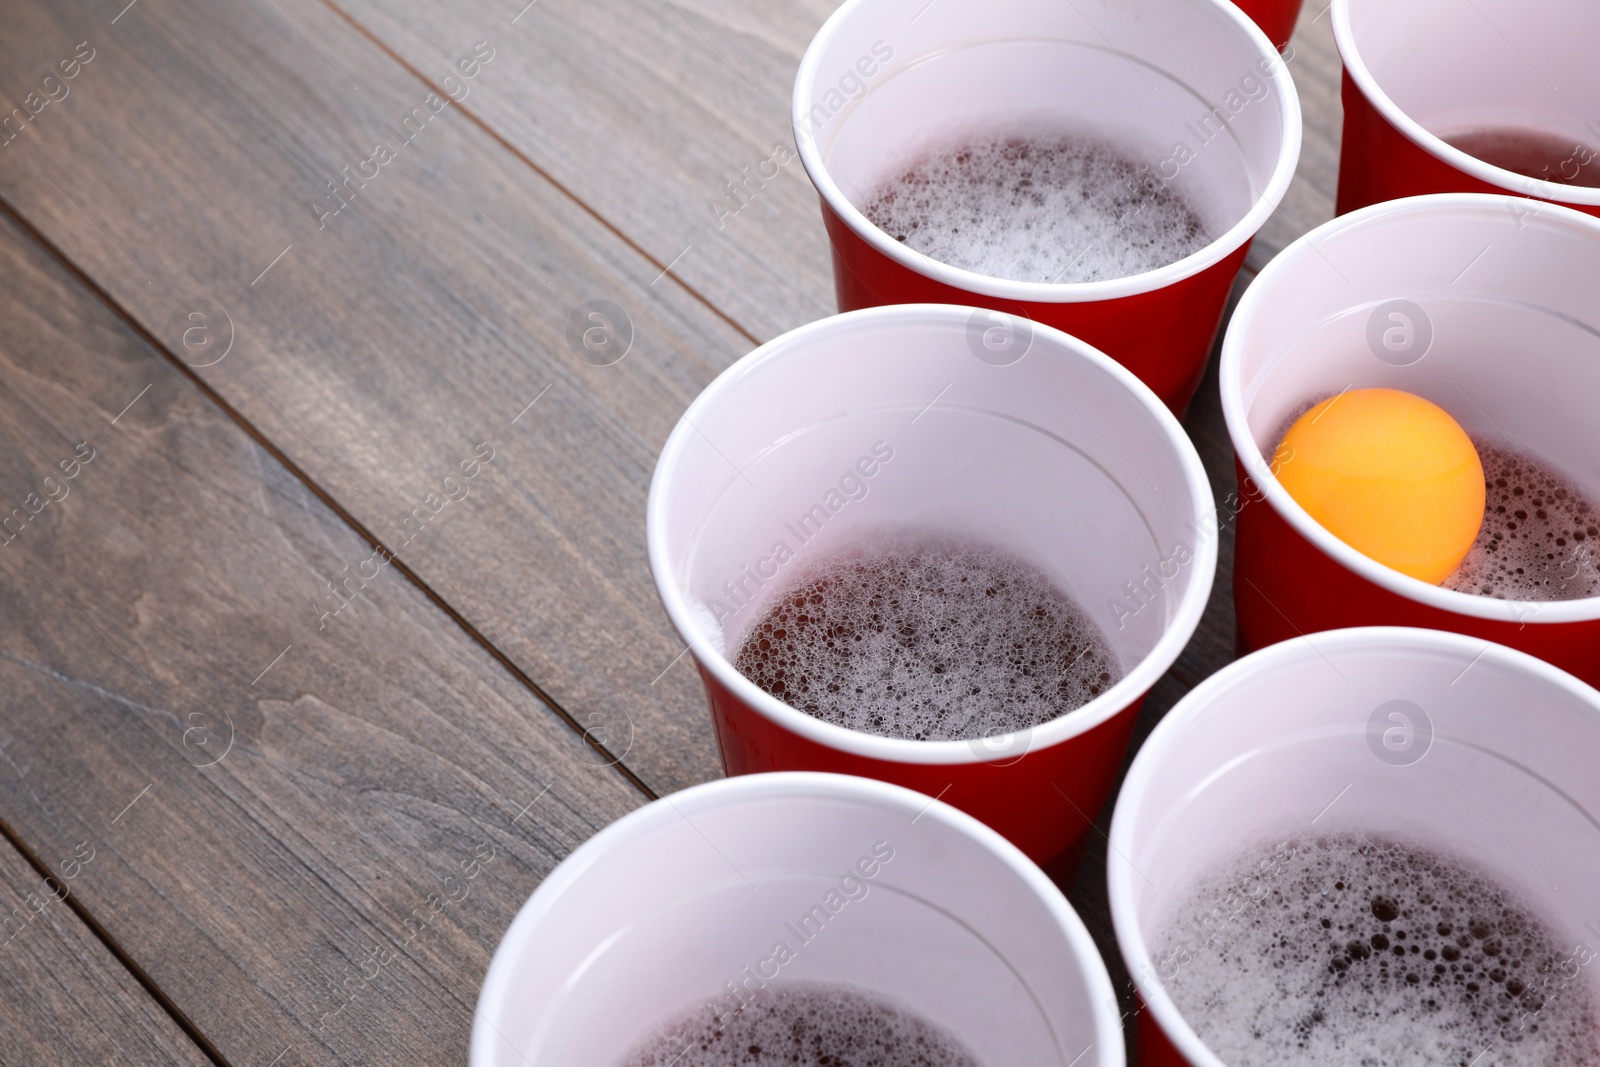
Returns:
(327, 624)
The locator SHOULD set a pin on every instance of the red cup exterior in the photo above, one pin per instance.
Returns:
(1377, 162)
(1164, 336)
(1275, 17)
(1286, 587)
(1151, 1042)
(1043, 801)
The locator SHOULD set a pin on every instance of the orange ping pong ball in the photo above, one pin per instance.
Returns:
(1389, 474)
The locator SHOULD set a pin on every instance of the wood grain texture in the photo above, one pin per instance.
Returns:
(379, 346)
(645, 111)
(1313, 62)
(67, 998)
(387, 340)
(309, 830)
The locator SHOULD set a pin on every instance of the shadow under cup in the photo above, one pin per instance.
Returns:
(1491, 760)
(688, 900)
(903, 419)
(1191, 89)
(1485, 305)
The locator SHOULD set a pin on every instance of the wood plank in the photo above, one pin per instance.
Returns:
(379, 346)
(1313, 61)
(1215, 634)
(67, 998)
(552, 564)
(645, 111)
(309, 829)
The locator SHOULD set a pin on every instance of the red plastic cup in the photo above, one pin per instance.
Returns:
(962, 422)
(1429, 737)
(1484, 305)
(717, 894)
(1191, 86)
(1275, 17)
(1418, 72)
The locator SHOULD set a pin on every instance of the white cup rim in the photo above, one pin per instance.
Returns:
(1288, 103)
(1329, 644)
(640, 823)
(1235, 411)
(1512, 182)
(903, 750)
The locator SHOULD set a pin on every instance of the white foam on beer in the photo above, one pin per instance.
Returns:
(1041, 206)
(927, 638)
(1540, 538)
(801, 1024)
(1355, 949)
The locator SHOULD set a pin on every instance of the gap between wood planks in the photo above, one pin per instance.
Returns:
(148, 984)
(323, 495)
(522, 157)
(1245, 276)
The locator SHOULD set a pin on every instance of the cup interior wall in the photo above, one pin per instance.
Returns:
(1497, 298)
(1186, 93)
(1487, 63)
(1284, 754)
(861, 430)
(693, 912)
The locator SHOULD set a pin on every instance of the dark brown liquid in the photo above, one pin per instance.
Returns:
(800, 1024)
(1534, 154)
(927, 639)
(1352, 949)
